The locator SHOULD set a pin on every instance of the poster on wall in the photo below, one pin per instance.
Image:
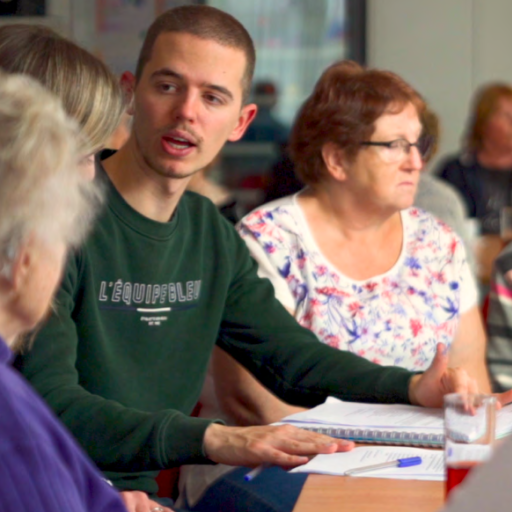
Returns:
(121, 16)
(121, 26)
(163, 5)
(120, 29)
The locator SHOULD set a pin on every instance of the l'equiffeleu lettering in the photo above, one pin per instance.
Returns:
(139, 293)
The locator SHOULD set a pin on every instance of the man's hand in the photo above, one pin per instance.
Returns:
(427, 389)
(284, 445)
(137, 501)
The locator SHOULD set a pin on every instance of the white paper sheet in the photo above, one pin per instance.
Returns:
(397, 417)
(431, 467)
(337, 412)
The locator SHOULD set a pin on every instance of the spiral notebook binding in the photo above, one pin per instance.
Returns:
(382, 436)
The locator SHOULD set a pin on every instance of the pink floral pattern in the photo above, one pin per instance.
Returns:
(393, 319)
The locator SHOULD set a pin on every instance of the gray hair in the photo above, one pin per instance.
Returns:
(42, 191)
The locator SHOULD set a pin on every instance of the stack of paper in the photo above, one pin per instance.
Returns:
(384, 423)
(355, 414)
(431, 467)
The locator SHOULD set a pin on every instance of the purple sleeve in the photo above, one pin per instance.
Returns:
(32, 478)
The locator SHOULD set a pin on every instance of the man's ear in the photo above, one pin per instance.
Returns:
(247, 115)
(128, 86)
(334, 161)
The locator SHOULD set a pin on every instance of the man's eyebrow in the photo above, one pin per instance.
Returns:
(219, 88)
(166, 72)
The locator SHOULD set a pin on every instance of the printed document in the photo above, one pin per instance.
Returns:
(431, 467)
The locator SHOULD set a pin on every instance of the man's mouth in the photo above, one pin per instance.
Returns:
(179, 142)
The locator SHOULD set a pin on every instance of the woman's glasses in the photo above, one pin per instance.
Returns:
(398, 149)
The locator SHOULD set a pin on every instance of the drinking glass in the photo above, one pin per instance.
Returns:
(470, 423)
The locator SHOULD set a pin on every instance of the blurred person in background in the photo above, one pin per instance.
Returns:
(438, 197)
(482, 172)
(499, 322)
(46, 207)
(348, 256)
(221, 196)
(282, 179)
(265, 126)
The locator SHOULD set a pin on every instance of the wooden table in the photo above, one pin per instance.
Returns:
(323, 493)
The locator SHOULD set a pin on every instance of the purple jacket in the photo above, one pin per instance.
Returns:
(41, 467)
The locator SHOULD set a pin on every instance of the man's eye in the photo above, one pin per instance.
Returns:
(211, 98)
(167, 87)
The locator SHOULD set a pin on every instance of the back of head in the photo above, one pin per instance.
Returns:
(431, 129)
(89, 92)
(207, 23)
(342, 109)
(485, 103)
(42, 191)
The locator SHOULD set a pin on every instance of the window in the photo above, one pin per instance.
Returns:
(297, 39)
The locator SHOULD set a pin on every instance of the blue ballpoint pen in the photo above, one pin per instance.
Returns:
(399, 463)
(255, 472)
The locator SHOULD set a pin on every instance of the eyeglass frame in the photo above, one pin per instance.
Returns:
(425, 140)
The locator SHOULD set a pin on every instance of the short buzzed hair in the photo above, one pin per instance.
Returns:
(207, 23)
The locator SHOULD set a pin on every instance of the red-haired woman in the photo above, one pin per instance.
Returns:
(349, 256)
(483, 170)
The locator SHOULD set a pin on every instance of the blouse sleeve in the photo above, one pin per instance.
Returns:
(267, 267)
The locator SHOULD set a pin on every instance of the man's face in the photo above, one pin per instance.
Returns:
(187, 104)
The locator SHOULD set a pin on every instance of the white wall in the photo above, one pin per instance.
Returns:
(444, 48)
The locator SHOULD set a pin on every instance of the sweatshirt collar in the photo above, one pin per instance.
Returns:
(128, 215)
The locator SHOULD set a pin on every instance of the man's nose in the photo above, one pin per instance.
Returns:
(186, 107)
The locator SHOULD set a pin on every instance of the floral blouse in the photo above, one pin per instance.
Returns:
(396, 318)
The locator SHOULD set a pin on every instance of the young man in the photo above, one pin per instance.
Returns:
(163, 278)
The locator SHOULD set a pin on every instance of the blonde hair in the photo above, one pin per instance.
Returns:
(42, 191)
(89, 92)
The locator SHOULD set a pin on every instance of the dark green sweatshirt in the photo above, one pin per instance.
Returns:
(123, 358)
